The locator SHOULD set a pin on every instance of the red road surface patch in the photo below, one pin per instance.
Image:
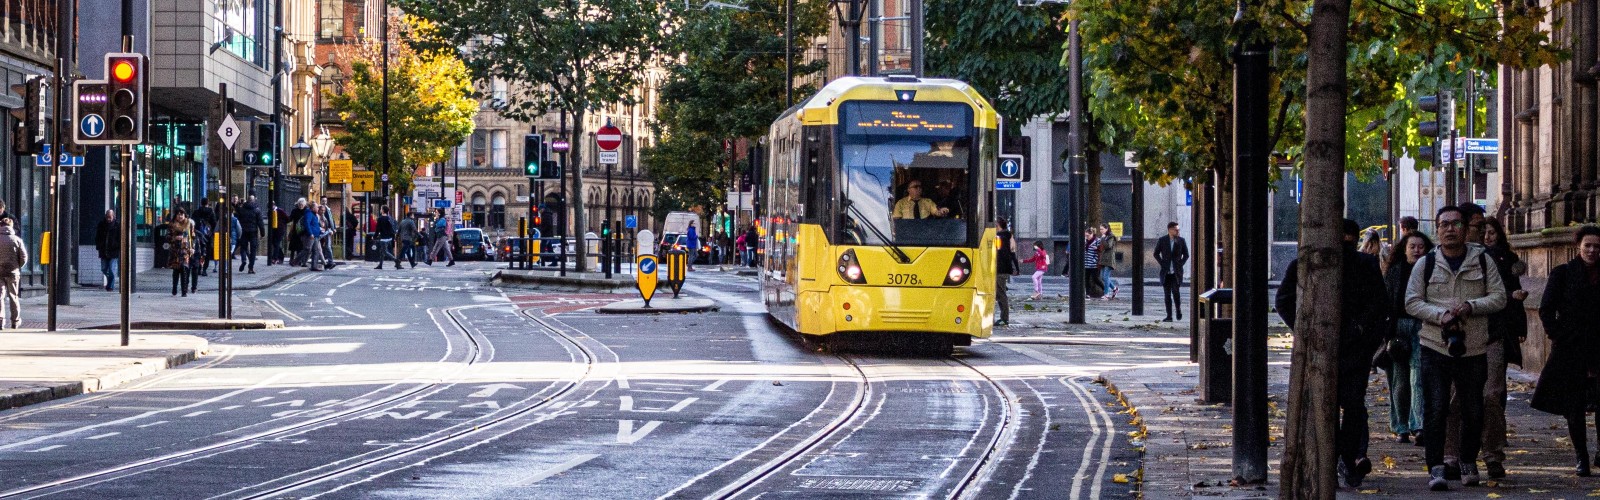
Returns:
(565, 303)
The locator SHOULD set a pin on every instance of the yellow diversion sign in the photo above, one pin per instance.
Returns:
(647, 266)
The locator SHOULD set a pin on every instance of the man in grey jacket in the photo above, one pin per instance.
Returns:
(13, 257)
(1453, 290)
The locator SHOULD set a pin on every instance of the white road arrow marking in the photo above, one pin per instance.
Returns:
(493, 405)
(559, 468)
(626, 434)
(489, 390)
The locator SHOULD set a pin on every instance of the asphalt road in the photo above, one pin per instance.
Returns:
(428, 383)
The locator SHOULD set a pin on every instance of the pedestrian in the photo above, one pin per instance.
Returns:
(1108, 252)
(180, 249)
(248, 216)
(739, 248)
(1041, 263)
(1405, 349)
(1005, 265)
(277, 221)
(325, 242)
(1171, 253)
(295, 234)
(1364, 313)
(408, 240)
(1507, 329)
(108, 243)
(1408, 225)
(1091, 263)
(1569, 310)
(441, 240)
(1455, 314)
(694, 245)
(311, 225)
(204, 219)
(5, 214)
(1473, 216)
(13, 257)
(386, 234)
(752, 242)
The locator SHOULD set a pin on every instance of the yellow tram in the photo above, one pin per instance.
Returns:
(878, 207)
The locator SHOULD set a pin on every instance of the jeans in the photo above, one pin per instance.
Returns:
(1493, 449)
(326, 244)
(1001, 296)
(108, 267)
(1171, 292)
(1440, 374)
(408, 251)
(441, 245)
(1108, 283)
(11, 298)
(1350, 440)
(247, 250)
(1405, 383)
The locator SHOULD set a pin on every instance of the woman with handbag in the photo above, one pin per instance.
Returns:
(180, 250)
(1402, 343)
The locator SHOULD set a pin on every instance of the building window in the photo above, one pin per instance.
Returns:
(480, 149)
(497, 212)
(500, 139)
(480, 210)
(332, 13)
(238, 25)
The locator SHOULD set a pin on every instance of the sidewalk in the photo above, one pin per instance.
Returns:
(95, 307)
(1187, 444)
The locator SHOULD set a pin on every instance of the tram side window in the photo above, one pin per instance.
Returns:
(906, 182)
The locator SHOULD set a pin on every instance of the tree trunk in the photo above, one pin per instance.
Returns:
(580, 222)
(1222, 179)
(1309, 456)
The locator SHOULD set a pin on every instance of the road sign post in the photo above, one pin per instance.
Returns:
(677, 262)
(645, 275)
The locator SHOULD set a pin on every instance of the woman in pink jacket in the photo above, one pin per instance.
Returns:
(1041, 263)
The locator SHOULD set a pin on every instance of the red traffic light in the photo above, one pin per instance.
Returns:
(123, 71)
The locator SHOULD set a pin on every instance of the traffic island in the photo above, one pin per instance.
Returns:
(200, 324)
(659, 305)
(572, 282)
(38, 366)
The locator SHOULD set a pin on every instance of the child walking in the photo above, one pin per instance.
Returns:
(1041, 262)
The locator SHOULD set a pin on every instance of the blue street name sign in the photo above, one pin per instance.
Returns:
(67, 160)
(441, 203)
(1008, 185)
(631, 221)
(1482, 146)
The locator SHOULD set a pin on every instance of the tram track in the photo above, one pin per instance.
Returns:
(476, 350)
(484, 427)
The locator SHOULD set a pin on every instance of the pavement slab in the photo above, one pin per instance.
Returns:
(38, 366)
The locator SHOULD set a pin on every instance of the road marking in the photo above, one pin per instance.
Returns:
(260, 400)
(715, 386)
(198, 413)
(352, 313)
(351, 282)
(491, 404)
(627, 405)
(626, 434)
(1091, 408)
(622, 381)
(234, 407)
(559, 468)
(331, 290)
(489, 390)
(396, 415)
(296, 403)
(286, 391)
(274, 305)
(437, 415)
(48, 448)
(153, 424)
(102, 436)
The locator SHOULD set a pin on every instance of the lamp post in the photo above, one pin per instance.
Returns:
(322, 146)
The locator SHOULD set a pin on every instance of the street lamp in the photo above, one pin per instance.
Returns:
(301, 151)
(322, 145)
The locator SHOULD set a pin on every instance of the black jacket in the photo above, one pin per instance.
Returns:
(1178, 257)
(1569, 311)
(1364, 303)
(249, 220)
(1511, 323)
(106, 241)
(385, 228)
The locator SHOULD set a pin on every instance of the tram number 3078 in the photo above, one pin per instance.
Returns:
(904, 279)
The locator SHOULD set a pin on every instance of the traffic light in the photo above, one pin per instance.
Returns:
(128, 85)
(533, 155)
(1429, 128)
(605, 228)
(27, 136)
(266, 144)
(551, 170)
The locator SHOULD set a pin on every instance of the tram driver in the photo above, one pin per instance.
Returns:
(914, 206)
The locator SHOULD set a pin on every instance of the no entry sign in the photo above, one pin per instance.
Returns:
(608, 138)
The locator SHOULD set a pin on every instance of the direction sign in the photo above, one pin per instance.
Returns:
(67, 159)
(610, 157)
(441, 203)
(1482, 146)
(646, 269)
(560, 145)
(92, 126)
(1446, 149)
(1008, 185)
(630, 221)
(1010, 168)
(364, 181)
(608, 138)
(229, 131)
(340, 171)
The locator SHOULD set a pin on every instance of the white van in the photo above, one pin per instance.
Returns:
(674, 232)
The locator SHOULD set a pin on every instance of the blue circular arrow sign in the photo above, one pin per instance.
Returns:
(92, 125)
(647, 265)
(1009, 168)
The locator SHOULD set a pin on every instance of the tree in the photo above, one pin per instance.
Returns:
(728, 83)
(430, 106)
(568, 56)
(1011, 54)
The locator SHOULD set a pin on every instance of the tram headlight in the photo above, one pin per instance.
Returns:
(849, 268)
(960, 270)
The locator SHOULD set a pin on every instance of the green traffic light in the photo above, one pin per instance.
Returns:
(532, 169)
(266, 158)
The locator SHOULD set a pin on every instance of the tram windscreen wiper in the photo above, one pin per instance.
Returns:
(899, 255)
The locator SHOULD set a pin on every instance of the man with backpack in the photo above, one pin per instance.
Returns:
(1364, 311)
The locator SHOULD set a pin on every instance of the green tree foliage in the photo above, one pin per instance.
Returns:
(430, 107)
(727, 84)
(1011, 54)
(570, 56)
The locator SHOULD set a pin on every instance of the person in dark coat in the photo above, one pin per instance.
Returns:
(1569, 311)
(1507, 329)
(1171, 253)
(1365, 310)
(109, 245)
(385, 235)
(1005, 263)
(249, 219)
(1405, 371)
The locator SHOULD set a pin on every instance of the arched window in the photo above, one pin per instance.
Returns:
(480, 210)
(497, 212)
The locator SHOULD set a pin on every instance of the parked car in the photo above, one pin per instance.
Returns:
(671, 241)
(470, 244)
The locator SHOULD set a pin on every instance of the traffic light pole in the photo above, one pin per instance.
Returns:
(225, 273)
(54, 274)
(125, 202)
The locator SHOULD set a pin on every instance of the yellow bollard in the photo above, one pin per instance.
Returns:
(44, 249)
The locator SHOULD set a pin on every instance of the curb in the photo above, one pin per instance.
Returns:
(138, 369)
(671, 306)
(272, 283)
(502, 278)
(199, 324)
